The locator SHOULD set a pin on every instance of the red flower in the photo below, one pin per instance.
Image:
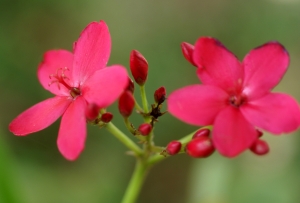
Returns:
(235, 97)
(77, 80)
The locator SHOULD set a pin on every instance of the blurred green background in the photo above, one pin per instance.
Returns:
(32, 166)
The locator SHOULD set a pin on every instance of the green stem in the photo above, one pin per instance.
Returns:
(123, 138)
(135, 183)
(144, 99)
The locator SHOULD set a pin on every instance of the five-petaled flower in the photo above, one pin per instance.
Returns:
(77, 79)
(235, 96)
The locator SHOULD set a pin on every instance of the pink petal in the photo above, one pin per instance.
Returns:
(197, 104)
(277, 113)
(55, 62)
(39, 116)
(232, 133)
(91, 51)
(105, 86)
(216, 65)
(264, 67)
(72, 131)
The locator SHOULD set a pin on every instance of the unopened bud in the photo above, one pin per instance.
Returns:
(138, 67)
(259, 133)
(200, 147)
(145, 129)
(126, 103)
(173, 147)
(91, 112)
(107, 117)
(130, 86)
(160, 95)
(260, 147)
(188, 50)
(201, 133)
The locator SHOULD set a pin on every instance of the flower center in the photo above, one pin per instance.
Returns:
(237, 100)
(60, 79)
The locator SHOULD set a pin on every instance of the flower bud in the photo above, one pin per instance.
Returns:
(260, 147)
(188, 50)
(173, 147)
(138, 67)
(259, 133)
(126, 103)
(145, 129)
(130, 86)
(200, 147)
(107, 117)
(91, 112)
(204, 132)
(160, 95)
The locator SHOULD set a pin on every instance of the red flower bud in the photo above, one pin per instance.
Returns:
(160, 95)
(145, 129)
(260, 147)
(187, 50)
(259, 133)
(92, 111)
(200, 147)
(138, 67)
(130, 86)
(126, 103)
(173, 147)
(201, 133)
(107, 117)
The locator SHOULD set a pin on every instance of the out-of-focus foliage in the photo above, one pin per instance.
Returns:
(37, 172)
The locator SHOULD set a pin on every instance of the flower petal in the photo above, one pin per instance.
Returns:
(264, 67)
(39, 116)
(72, 131)
(232, 133)
(216, 65)
(91, 51)
(197, 104)
(105, 86)
(276, 112)
(55, 62)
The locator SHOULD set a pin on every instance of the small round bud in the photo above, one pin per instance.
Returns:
(260, 147)
(145, 129)
(160, 95)
(92, 111)
(187, 50)
(259, 133)
(107, 117)
(138, 67)
(126, 103)
(173, 147)
(201, 133)
(200, 147)
(130, 86)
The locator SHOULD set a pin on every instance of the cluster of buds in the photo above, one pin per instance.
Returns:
(93, 115)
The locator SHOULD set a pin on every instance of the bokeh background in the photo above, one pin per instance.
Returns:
(33, 171)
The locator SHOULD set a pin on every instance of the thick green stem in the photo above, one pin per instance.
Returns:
(123, 138)
(144, 99)
(136, 182)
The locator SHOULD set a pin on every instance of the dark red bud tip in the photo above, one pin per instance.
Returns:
(160, 95)
(138, 67)
(201, 133)
(200, 147)
(130, 86)
(259, 133)
(126, 103)
(188, 50)
(107, 117)
(92, 111)
(145, 129)
(260, 147)
(173, 147)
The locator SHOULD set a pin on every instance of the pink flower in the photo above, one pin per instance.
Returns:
(235, 96)
(76, 80)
